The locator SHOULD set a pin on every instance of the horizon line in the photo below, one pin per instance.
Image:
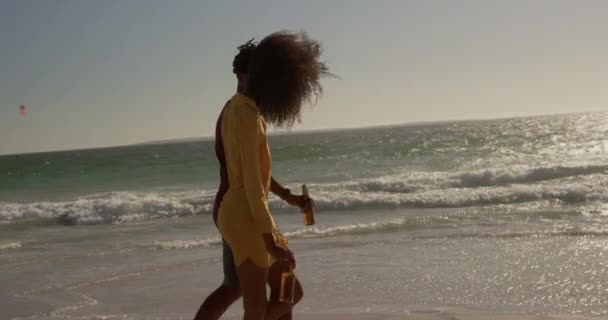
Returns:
(307, 131)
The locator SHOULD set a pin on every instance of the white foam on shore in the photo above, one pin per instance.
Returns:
(185, 244)
(582, 184)
(432, 315)
(10, 245)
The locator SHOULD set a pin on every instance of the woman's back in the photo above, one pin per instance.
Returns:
(244, 210)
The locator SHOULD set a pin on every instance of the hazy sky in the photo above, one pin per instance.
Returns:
(100, 73)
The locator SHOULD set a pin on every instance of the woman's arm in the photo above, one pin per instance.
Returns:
(279, 190)
(248, 133)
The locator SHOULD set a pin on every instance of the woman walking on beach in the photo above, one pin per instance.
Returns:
(229, 291)
(283, 74)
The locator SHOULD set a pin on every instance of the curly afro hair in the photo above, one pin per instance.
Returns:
(284, 73)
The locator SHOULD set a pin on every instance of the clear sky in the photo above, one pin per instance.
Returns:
(112, 72)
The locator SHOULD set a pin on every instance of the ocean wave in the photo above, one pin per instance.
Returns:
(427, 191)
(114, 207)
(416, 181)
(353, 229)
(308, 232)
(10, 245)
(524, 175)
(396, 225)
(185, 244)
(420, 223)
(568, 193)
(365, 228)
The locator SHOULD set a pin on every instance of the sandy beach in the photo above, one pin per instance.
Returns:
(416, 277)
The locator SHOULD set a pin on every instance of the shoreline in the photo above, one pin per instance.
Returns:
(433, 315)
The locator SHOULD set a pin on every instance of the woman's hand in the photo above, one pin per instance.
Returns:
(282, 253)
(303, 202)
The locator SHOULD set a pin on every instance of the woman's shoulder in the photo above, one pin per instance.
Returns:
(241, 106)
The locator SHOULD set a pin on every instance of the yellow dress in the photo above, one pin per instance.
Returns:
(243, 214)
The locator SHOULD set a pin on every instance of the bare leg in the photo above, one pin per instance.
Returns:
(217, 303)
(253, 287)
(278, 310)
(220, 300)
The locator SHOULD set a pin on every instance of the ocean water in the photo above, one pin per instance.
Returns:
(506, 215)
